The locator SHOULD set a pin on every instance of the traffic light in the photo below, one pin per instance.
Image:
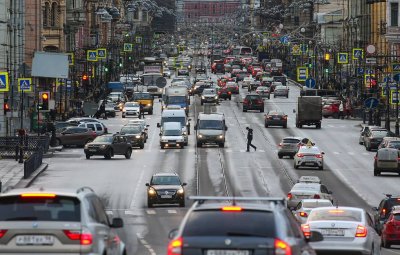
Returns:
(6, 107)
(327, 56)
(85, 77)
(44, 98)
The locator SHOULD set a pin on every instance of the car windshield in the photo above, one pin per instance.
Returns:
(394, 145)
(380, 133)
(305, 187)
(224, 223)
(315, 204)
(252, 97)
(138, 96)
(181, 120)
(396, 216)
(176, 99)
(131, 130)
(291, 141)
(165, 180)
(57, 208)
(335, 214)
(307, 150)
(103, 139)
(275, 113)
(208, 92)
(172, 132)
(131, 105)
(211, 124)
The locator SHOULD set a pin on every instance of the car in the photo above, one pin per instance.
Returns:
(275, 84)
(254, 85)
(263, 92)
(146, 99)
(304, 207)
(61, 125)
(387, 160)
(289, 146)
(78, 136)
(199, 87)
(330, 108)
(382, 212)
(275, 118)
(108, 146)
(253, 102)
(210, 128)
(131, 109)
(233, 87)
(281, 91)
(364, 129)
(167, 72)
(134, 134)
(171, 135)
(224, 93)
(241, 227)
(391, 230)
(346, 230)
(373, 137)
(80, 120)
(309, 156)
(209, 96)
(391, 142)
(303, 190)
(144, 126)
(246, 81)
(165, 188)
(98, 127)
(57, 221)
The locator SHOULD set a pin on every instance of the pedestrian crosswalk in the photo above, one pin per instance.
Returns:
(144, 211)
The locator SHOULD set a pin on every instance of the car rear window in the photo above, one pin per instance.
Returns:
(252, 97)
(219, 223)
(335, 214)
(58, 208)
(316, 204)
(380, 133)
(290, 140)
(396, 216)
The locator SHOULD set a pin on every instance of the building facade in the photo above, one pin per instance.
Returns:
(211, 11)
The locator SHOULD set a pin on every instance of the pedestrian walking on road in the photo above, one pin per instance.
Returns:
(341, 110)
(141, 111)
(249, 139)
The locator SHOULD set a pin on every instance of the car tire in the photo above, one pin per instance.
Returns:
(58, 142)
(262, 110)
(318, 126)
(141, 146)
(244, 110)
(202, 103)
(321, 167)
(266, 125)
(386, 244)
(128, 154)
(376, 172)
(280, 156)
(87, 156)
(285, 126)
(221, 145)
(123, 116)
(295, 166)
(151, 112)
(108, 154)
(291, 156)
(185, 144)
(182, 203)
(230, 98)
(199, 145)
(149, 204)
(326, 116)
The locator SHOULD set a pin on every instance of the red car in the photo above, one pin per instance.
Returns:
(331, 108)
(391, 229)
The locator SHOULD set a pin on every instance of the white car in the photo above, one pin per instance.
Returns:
(303, 190)
(346, 230)
(304, 207)
(309, 156)
(246, 82)
(263, 91)
(98, 127)
(131, 109)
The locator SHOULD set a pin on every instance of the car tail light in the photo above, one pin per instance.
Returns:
(306, 230)
(284, 117)
(303, 214)
(229, 92)
(38, 195)
(318, 156)
(361, 231)
(231, 209)
(289, 195)
(84, 236)
(219, 93)
(316, 196)
(282, 248)
(2, 232)
(175, 246)
(300, 155)
(280, 145)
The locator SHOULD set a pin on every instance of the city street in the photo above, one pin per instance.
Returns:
(218, 171)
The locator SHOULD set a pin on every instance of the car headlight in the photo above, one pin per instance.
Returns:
(86, 147)
(184, 108)
(199, 135)
(137, 136)
(184, 133)
(148, 104)
(221, 137)
(103, 146)
(180, 191)
(124, 110)
(216, 97)
(152, 191)
(202, 97)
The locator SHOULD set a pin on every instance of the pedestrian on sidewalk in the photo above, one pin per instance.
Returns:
(249, 139)
(341, 110)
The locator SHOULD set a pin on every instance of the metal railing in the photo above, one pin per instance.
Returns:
(10, 145)
(33, 163)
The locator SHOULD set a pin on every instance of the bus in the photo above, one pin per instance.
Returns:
(242, 51)
(152, 65)
(149, 80)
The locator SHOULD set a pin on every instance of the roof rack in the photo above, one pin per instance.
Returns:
(275, 200)
(81, 189)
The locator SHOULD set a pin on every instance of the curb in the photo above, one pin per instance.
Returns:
(26, 183)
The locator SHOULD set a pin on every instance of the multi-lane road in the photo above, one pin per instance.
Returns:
(211, 170)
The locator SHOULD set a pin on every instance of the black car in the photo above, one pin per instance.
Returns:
(165, 188)
(224, 93)
(240, 227)
(108, 146)
(253, 102)
(382, 212)
(134, 134)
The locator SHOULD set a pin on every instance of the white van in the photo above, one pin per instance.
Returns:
(176, 115)
(210, 128)
(171, 135)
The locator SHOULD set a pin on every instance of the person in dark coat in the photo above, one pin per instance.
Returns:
(249, 139)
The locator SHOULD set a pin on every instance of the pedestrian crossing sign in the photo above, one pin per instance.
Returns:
(24, 84)
(71, 59)
(4, 85)
(138, 39)
(91, 55)
(343, 58)
(358, 54)
(396, 67)
(101, 53)
(128, 47)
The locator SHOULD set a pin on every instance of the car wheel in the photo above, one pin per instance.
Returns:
(199, 144)
(321, 167)
(202, 103)
(141, 146)
(265, 125)
(326, 116)
(262, 110)
(280, 156)
(292, 157)
(221, 145)
(151, 112)
(58, 142)
(244, 110)
(149, 204)
(186, 144)
(128, 154)
(87, 156)
(295, 166)
(386, 244)
(108, 154)
(123, 116)
(285, 126)
(230, 98)
(182, 203)
(376, 172)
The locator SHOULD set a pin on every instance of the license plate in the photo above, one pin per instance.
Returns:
(227, 252)
(332, 232)
(34, 240)
(309, 164)
(166, 196)
(92, 150)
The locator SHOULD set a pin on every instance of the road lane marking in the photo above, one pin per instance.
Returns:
(132, 205)
(228, 150)
(261, 150)
(336, 153)
(242, 150)
(162, 150)
(150, 211)
(171, 211)
(145, 244)
(192, 150)
(109, 212)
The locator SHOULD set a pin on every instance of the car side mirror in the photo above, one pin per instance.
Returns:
(117, 223)
(315, 236)
(184, 184)
(322, 153)
(158, 125)
(147, 125)
(147, 184)
(294, 111)
(226, 128)
(160, 134)
(172, 234)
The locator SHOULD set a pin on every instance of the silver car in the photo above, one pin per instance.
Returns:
(309, 156)
(303, 190)
(281, 91)
(289, 146)
(57, 222)
(345, 229)
(304, 207)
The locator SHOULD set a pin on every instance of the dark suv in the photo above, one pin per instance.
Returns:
(108, 146)
(165, 188)
(253, 102)
(239, 228)
(382, 212)
(372, 138)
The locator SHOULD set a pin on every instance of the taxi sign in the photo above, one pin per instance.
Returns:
(309, 144)
(309, 179)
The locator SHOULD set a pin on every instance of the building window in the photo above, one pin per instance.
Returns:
(394, 14)
(136, 14)
(46, 14)
(54, 15)
(296, 20)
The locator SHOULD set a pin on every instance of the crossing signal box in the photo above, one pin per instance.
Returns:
(44, 97)
(6, 108)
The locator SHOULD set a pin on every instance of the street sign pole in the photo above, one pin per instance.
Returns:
(396, 127)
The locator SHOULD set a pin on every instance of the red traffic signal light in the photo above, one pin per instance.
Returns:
(85, 77)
